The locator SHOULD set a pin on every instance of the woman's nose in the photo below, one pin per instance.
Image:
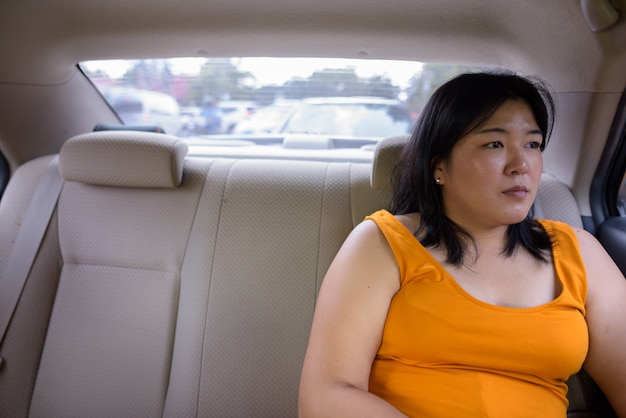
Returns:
(516, 164)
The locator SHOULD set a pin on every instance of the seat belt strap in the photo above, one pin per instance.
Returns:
(28, 241)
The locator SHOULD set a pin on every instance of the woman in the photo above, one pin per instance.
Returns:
(457, 303)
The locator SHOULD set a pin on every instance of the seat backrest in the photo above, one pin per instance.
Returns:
(278, 227)
(154, 295)
(98, 310)
(179, 288)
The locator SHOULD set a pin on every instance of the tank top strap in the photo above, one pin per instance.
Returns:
(568, 263)
(400, 239)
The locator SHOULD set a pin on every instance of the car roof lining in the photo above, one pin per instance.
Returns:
(395, 29)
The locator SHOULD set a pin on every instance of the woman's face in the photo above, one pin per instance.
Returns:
(492, 175)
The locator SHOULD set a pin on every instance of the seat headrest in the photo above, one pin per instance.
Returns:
(124, 159)
(386, 155)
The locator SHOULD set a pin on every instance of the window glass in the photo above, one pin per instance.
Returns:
(341, 106)
(5, 174)
(621, 198)
(612, 172)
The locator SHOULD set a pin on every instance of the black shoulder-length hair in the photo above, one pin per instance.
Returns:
(454, 110)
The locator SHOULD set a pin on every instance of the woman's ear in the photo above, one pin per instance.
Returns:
(438, 168)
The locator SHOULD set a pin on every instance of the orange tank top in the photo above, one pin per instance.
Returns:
(445, 353)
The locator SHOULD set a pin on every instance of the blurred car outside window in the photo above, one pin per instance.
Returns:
(144, 107)
(351, 116)
(234, 112)
(211, 101)
(268, 119)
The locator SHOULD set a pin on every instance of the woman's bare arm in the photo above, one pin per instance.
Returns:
(347, 328)
(606, 319)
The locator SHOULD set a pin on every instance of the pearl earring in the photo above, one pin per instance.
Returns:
(438, 180)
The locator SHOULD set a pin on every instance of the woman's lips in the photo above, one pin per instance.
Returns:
(516, 191)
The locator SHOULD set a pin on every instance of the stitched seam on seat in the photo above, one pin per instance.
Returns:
(190, 234)
(206, 312)
(320, 231)
(120, 267)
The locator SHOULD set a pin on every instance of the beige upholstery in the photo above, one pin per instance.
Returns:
(124, 159)
(386, 154)
(268, 233)
(556, 201)
(189, 300)
(157, 296)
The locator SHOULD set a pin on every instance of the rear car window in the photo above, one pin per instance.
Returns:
(334, 108)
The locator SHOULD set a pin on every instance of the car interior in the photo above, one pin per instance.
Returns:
(144, 273)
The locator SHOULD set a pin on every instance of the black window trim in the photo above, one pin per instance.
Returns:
(611, 169)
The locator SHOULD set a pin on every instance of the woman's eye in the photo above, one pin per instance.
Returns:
(534, 145)
(494, 144)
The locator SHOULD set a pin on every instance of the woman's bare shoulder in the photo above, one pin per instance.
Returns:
(603, 275)
(592, 252)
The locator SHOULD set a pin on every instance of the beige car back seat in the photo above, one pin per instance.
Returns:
(115, 246)
(193, 298)
(173, 286)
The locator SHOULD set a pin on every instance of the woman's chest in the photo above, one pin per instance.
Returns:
(508, 283)
(433, 322)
